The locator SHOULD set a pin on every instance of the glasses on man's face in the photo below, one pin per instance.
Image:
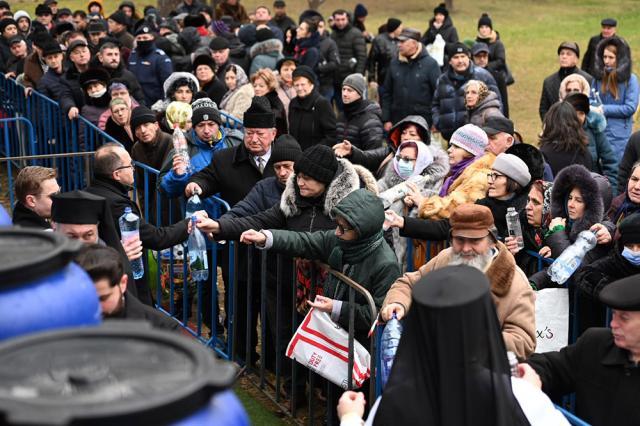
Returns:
(130, 166)
(344, 228)
(494, 176)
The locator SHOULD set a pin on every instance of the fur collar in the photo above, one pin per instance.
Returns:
(346, 181)
(273, 45)
(623, 59)
(402, 58)
(569, 178)
(500, 271)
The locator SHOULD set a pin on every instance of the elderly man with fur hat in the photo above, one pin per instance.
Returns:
(474, 243)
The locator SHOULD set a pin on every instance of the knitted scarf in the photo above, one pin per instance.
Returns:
(456, 170)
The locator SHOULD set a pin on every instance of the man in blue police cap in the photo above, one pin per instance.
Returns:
(150, 65)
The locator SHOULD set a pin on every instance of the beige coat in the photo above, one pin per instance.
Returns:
(510, 291)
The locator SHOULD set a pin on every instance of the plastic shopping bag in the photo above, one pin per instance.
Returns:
(552, 319)
(323, 346)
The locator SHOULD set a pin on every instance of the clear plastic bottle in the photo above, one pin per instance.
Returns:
(595, 100)
(389, 345)
(513, 364)
(193, 205)
(197, 245)
(397, 192)
(570, 259)
(130, 228)
(513, 225)
(180, 147)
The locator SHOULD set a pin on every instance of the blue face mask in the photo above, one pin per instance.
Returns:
(632, 257)
(405, 169)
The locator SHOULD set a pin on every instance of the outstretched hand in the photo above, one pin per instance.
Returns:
(253, 237)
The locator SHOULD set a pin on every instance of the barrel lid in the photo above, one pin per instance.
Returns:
(29, 254)
(122, 372)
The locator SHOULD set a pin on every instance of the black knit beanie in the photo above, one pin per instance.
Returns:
(204, 109)
(318, 162)
(442, 9)
(141, 115)
(485, 20)
(259, 115)
(393, 24)
(630, 229)
(285, 148)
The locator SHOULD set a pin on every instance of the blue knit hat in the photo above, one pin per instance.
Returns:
(471, 138)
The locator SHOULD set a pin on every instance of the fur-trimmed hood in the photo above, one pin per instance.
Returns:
(268, 47)
(348, 178)
(623, 59)
(572, 177)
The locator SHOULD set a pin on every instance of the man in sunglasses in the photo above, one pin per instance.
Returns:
(474, 243)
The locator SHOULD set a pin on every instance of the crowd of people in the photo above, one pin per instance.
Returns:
(349, 143)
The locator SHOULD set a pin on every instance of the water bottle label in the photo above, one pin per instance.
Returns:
(128, 235)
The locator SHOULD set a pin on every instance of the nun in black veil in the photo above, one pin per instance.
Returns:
(451, 367)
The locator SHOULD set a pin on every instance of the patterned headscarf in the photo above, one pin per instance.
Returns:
(483, 91)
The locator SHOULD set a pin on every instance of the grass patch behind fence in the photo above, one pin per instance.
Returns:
(530, 29)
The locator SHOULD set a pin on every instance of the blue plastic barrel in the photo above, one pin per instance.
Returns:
(120, 373)
(40, 288)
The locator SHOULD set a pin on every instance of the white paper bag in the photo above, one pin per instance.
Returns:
(323, 346)
(552, 319)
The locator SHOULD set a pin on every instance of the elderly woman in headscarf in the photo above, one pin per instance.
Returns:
(481, 103)
(415, 167)
(239, 92)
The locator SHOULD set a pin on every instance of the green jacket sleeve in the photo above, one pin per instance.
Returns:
(309, 245)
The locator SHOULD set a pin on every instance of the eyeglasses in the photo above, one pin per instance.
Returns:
(344, 229)
(130, 166)
(494, 176)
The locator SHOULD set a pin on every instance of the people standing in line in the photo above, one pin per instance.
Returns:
(497, 57)
(619, 90)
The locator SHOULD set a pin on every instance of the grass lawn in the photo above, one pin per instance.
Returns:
(531, 31)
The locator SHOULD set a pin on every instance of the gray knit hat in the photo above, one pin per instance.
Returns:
(358, 83)
(471, 138)
(512, 167)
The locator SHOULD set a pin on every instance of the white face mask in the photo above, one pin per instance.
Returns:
(99, 93)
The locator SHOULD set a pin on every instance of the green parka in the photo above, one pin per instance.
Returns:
(368, 260)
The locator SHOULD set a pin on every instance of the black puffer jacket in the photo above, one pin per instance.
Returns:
(71, 94)
(312, 121)
(361, 124)
(328, 63)
(351, 44)
(447, 31)
(448, 109)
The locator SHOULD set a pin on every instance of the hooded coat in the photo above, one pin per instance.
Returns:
(434, 174)
(618, 112)
(448, 109)
(487, 107)
(596, 194)
(603, 159)
(360, 123)
(265, 54)
(368, 260)
(510, 291)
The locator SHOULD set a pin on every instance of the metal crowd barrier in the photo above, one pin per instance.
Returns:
(66, 145)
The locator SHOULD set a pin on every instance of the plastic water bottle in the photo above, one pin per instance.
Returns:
(193, 205)
(570, 259)
(389, 345)
(513, 364)
(180, 147)
(197, 253)
(595, 100)
(397, 192)
(130, 228)
(513, 225)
